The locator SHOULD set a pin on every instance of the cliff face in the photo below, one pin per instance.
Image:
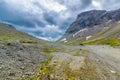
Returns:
(91, 22)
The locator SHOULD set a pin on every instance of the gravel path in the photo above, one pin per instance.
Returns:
(85, 63)
(110, 56)
(75, 62)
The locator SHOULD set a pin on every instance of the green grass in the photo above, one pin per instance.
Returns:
(106, 37)
(87, 72)
(8, 37)
(48, 49)
(117, 74)
(45, 70)
(32, 78)
(77, 53)
(95, 41)
(7, 43)
(74, 42)
(22, 79)
(27, 41)
(112, 42)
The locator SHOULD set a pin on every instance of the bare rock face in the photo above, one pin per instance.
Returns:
(91, 22)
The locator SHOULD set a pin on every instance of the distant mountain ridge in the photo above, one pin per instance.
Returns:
(91, 22)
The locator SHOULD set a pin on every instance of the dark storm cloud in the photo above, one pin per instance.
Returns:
(51, 17)
(76, 4)
(48, 19)
(111, 4)
(86, 3)
(16, 17)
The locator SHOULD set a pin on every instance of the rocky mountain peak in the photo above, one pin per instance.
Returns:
(90, 19)
(86, 19)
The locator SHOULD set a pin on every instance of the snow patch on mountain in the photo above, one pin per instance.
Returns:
(88, 37)
(64, 40)
(85, 29)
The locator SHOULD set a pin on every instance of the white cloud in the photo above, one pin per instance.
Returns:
(48, 38)
(35, 6)
(49, 30)
(96, 4)
(65, 15)
(52, 5)
(25, 6)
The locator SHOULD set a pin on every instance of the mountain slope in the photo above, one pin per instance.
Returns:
(21, 54)
(89, 23)
(110, 36)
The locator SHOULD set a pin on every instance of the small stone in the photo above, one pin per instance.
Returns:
(80, 49)
(23, 68)
(48, 77)
(21, 48)
(43, 73)
(2, 65)
(51, 76)
(97, 60)
(28, 73)
(0, 68)
(112, 71)
(11, 74)
(38, 74)
(0, 62)
(20, 59)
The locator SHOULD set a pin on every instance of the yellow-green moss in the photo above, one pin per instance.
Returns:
(27, 41)
(45, 70)
(117, 74)
(48, 50)
(77, 53)
(111, 42)
(32, 78)
(22, 79)
(8, 37)
(6, 42)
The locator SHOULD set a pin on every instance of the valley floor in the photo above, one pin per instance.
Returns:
(82, 63)
(93, 62)
(109, 55)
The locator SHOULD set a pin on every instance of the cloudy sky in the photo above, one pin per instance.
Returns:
(48, 19)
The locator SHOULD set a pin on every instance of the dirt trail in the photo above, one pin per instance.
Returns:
(75, 62)
(83, 63)
(107, 56)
